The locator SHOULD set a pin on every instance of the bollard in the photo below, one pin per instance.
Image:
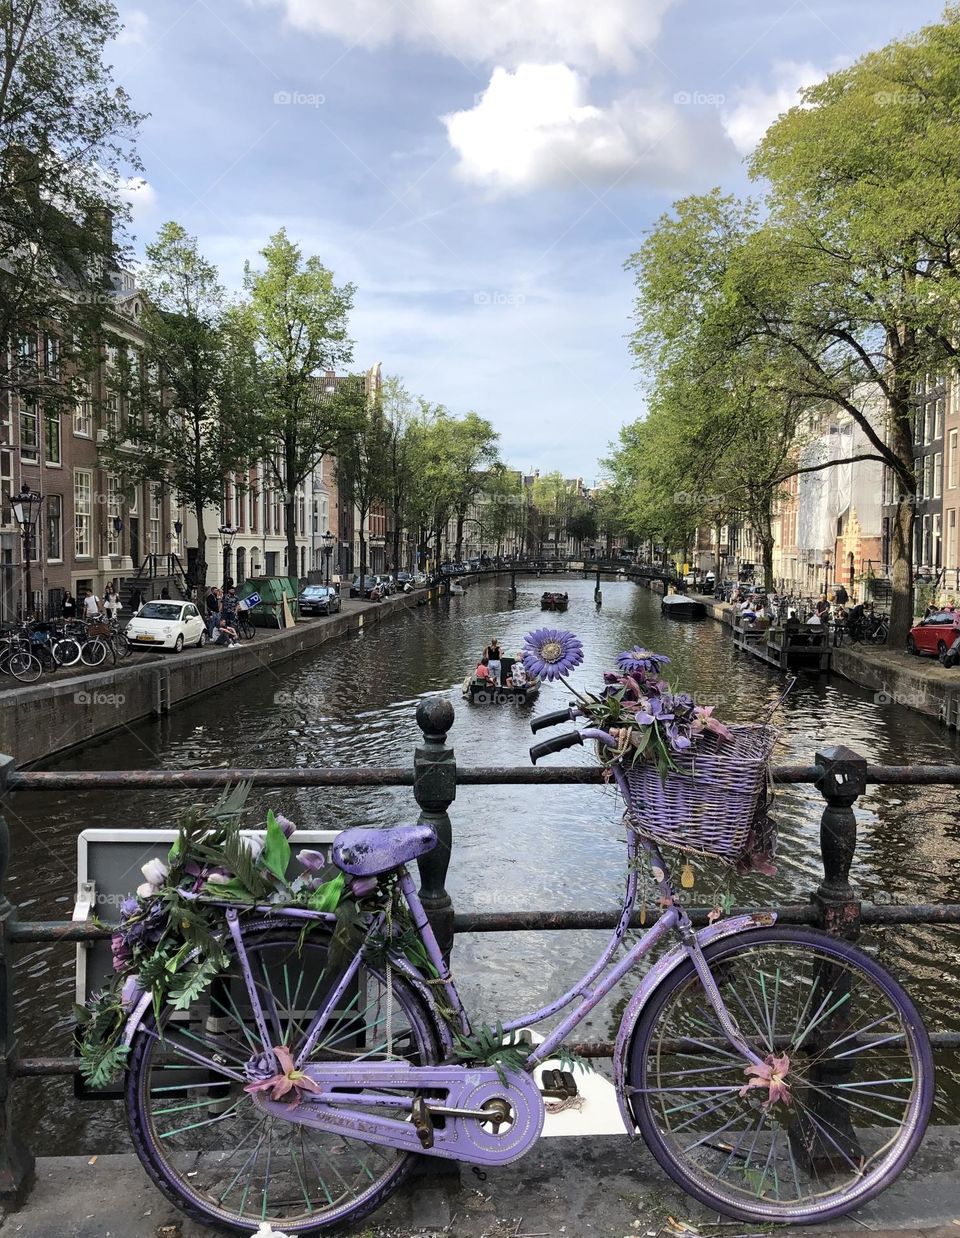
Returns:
(842, 781)
(16, 1161)
(435, 787)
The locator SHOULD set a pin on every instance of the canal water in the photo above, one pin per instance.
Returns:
(515, 848)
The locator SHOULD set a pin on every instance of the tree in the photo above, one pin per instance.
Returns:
(363, 454)
(472, 453)
(553, 499)
(504, 506)
(66, 147)
(297, 318)
(582, 524)
(399, 410)
(189, 393)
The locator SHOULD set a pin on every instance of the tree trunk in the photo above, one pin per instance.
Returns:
(289, 505)
(458, 555)
(201, 565)
(766, 550)
(901, 572)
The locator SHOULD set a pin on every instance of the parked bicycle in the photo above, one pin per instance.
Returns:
(777, 1074)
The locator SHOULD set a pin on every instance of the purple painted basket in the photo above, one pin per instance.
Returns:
(709, 803)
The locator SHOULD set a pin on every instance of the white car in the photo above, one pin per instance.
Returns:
(167, 625)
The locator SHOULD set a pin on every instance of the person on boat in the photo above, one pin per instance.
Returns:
(492, 657)
(518, 672)
(482, 673)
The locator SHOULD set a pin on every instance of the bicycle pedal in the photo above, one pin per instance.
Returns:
(558, 1085)
(422, 1121)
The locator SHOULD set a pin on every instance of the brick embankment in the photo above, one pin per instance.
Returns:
(64, 709)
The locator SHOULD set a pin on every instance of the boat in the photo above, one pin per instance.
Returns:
(679, 606)
(482, 692)
(554, 601)
(456, 589)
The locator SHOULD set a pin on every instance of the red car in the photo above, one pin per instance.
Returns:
(935, 634)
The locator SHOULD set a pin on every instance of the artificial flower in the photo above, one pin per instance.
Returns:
(771, 1074)
(283, 1081)
(550, 653)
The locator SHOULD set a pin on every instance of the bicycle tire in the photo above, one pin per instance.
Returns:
(66, 651)
(246, 629)
(803, 958)
(194, 1182)
(93, 652)
(25, 666)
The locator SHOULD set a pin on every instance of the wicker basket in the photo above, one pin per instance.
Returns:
(98, 629)
(709, 803)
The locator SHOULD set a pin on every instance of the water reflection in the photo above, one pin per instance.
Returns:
(515, 848)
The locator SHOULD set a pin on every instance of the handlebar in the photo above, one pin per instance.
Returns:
(554, 719)
(568, 740)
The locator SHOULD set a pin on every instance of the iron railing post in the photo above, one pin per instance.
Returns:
(435, 787)
(16, 1160)
(843, 779)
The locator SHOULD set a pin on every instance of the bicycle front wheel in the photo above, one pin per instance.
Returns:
(93, 652)
(25, 666)
(835, 1112)
(204, 1141)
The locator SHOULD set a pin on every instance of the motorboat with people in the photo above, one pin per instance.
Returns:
(554, 601)
(513, 686)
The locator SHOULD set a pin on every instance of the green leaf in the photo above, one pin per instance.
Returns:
(276, 851)
(100, 1068)
(327, 897)
(193, 982)
(231, 890)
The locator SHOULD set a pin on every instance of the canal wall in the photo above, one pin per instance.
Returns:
(62, 712)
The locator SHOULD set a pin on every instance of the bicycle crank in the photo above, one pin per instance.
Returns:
(467, 1113)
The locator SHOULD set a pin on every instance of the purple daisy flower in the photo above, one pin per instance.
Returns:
(640, 661)
(550, 653)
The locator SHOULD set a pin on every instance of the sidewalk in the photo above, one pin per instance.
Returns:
(604, 1187)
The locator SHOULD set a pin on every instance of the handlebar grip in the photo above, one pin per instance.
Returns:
(557, 744)
(554, 719)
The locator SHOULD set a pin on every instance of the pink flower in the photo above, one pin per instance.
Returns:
(288, 1080)
(771, 1074)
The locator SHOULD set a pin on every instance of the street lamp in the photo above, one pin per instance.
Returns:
(178, 529)
(227, 532)
(328, 540)
(26, 512)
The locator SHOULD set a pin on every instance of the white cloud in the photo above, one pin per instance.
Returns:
(138, 192)
(135, 24)
(599, 32)
(534, 127)
(757, 108)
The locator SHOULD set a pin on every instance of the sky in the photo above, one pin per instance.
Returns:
(480, 169)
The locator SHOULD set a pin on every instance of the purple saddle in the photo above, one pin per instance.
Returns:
(366, 853)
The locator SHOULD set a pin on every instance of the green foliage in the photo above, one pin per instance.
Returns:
(492, 1046)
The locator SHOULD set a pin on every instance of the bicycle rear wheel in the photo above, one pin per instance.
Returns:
(93, 652)
(66, 651)
(25, 666)
(204, 1141)
(834, 1027)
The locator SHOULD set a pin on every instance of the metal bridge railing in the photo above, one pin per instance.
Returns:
(839, 774)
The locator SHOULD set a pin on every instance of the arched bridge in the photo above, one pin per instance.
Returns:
(586, 568)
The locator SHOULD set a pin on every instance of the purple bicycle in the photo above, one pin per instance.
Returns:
(776, 1074)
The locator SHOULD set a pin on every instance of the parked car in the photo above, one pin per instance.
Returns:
(167, 625)
(387, 584)
(370, 584)
(935, 634)
(404, 578)
(319, 600)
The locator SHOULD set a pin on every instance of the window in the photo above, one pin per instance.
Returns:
(936, 555)
(28, 355)
(952, 537)
(54, 528)
(927, 477)
(952, 461)
(83, 413)
(114, 506)
(83, 512)
(938, 418)
(51, 356)
(133, 499)
(156, 513)
(937, 474)
(252, 510)
(29, 430)
(51, 436)
(928, 423)
(111, 414)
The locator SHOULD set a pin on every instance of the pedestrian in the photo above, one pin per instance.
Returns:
(213, 602)
(69, 606)
(229, 604)
(91, 604)
(164, 594)
(136, 599)
(840, 596)
(110, 601)
(492, 655)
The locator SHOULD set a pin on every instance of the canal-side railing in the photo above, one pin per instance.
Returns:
(839, 774)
